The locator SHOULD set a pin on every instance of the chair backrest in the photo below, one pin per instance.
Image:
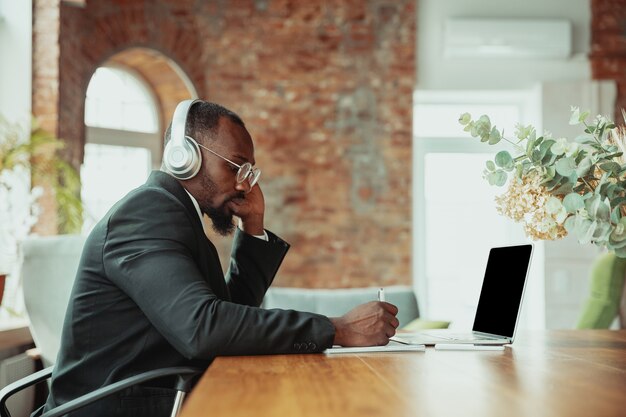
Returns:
(337, 302)
(48, 272)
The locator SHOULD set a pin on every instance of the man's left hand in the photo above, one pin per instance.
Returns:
(251, 211)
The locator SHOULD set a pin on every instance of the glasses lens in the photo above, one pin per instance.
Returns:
(243, 172)
(254, 176)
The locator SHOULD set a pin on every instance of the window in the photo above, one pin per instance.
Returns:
(123, 143)
(456, 221)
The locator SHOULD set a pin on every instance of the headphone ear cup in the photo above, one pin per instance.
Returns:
(181, 156)
(183, 162)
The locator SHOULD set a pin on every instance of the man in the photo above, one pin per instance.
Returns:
(150, 292)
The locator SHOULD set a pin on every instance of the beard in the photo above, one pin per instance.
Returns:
(221, 217)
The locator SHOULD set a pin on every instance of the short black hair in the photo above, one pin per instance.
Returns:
(203, 119)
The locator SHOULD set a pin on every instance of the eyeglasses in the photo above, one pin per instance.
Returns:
(246, 170)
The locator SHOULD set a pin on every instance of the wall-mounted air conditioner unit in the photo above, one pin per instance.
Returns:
(510, 38)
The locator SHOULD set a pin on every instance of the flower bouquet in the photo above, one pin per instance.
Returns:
(560, 186)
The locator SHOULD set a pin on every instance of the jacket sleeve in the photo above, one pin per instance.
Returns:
(149, 254)
(253, 266)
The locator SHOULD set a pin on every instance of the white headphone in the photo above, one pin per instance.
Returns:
(182, 157)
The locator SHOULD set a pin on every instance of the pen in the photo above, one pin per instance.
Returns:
(381, 295)
(465, 346)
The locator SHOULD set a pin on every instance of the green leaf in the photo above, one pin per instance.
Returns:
(494, 136)
(504, 160)
(545, 147)
(584, 139)
(597, 208)
(611, 167)
(615, 214)
(602, 233)
(573, 202)
(490, 166)
(583, 116)
(620, 230)
(583, 167)
(566, 166)
(564, 189)
(465, 118)
(497, 178)
(584, 229)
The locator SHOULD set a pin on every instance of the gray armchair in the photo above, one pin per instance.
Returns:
(48, 272)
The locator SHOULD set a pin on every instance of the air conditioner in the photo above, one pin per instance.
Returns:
(507, 38)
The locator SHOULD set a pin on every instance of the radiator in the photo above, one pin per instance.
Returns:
(12, 369)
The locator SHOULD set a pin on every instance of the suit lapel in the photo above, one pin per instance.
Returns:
(208, 260)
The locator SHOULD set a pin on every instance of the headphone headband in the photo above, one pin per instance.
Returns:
(179, 121)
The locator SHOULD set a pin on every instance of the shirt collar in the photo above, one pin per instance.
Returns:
(196, 205)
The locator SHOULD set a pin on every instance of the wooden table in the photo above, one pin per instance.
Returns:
(555, 373)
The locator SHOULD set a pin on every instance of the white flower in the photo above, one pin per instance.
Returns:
(601, 120)
(575, 117)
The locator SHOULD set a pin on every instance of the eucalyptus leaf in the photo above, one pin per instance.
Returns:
(545, 146)
(490, 166)
(584, 139)
(615, 214)
(494, 136)
(564, 189)
(612, 167)
(565, 166)
(499, 178)
(504, 160)
(583, 167)
(573, 202)
(619, 234)
(570, 224)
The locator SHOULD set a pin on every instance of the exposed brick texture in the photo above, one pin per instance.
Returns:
(608, 46)
(325, 88)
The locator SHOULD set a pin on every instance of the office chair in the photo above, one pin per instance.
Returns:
(48, 271)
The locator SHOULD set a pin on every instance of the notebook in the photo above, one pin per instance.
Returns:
(499, 304)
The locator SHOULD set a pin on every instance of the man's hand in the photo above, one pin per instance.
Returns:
(370, 324)
(250, 210)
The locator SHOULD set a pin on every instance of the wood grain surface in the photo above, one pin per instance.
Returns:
(554, 373)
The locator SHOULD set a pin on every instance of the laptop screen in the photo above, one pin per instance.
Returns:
(503, 286)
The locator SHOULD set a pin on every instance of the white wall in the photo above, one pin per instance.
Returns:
(560, 83)
(15, 59)
(434, 71)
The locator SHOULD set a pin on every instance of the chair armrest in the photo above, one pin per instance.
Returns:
(185, 373)
(19, 385)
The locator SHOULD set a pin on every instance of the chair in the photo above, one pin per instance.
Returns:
(48, 271)
(608, 274)
(336, 302)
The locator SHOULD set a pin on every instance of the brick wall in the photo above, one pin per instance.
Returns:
(325, 88)
(608, 46)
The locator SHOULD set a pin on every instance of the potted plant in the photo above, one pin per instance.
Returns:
(559, 187)
(26, 152)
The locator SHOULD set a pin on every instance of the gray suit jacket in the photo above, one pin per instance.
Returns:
(150, 293)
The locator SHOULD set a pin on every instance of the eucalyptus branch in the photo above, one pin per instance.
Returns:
(550, 171)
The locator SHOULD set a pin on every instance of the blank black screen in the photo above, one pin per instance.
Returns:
(503, 286)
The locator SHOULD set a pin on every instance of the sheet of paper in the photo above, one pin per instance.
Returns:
(391, 347)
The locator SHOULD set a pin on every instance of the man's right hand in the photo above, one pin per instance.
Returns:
(370, 324)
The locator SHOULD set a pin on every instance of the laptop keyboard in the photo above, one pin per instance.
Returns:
(464, 336)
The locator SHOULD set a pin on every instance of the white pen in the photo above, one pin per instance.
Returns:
(465, 346)
(381, 295)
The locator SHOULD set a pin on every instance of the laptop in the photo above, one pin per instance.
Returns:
(499, 304)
